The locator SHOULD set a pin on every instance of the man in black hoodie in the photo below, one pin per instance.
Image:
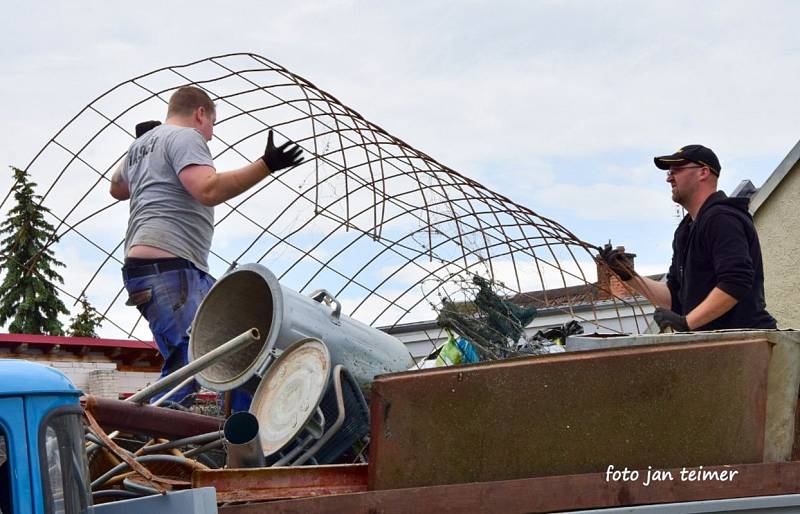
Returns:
(716, 279)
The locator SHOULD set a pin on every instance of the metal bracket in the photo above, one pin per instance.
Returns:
(273, 354)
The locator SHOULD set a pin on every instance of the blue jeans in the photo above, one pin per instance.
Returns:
(169, 301)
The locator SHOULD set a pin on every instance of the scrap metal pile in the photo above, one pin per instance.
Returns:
(492, 327)
(309, 404)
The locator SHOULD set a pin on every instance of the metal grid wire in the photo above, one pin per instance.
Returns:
(385, 227)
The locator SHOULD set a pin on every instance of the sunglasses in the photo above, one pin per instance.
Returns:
(673, 171)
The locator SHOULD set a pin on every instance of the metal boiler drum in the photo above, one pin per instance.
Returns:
(251, 296)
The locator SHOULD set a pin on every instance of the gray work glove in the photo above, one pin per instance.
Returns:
(615, 258)
(284, 156)
(668, 319)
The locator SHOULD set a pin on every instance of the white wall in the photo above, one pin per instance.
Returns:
(778, 227)
(91, 370)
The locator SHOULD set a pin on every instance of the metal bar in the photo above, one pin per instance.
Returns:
(277, 483)
(135, 463)
(283, 461)
(196, 439)
(206, 447)
(247, 337)
(337, 385)
(545, 494)
(142, 419)
(169, 393)
(128, 460)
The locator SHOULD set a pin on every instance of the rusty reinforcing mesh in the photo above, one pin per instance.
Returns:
(383, 226)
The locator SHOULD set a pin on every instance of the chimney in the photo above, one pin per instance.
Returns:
(609, 284)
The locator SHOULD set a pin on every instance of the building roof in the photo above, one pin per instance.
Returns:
(775, 178)
(123, 351)
(25, 377)
(580, 298)
(562, 296)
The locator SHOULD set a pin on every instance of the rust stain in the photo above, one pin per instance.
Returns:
(277, 483)
(664, 406)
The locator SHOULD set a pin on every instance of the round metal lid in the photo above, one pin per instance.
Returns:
(290, 392)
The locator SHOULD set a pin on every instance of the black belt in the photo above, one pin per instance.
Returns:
(145, 270)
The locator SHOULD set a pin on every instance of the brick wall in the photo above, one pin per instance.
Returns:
(608, 281)
(102, 383)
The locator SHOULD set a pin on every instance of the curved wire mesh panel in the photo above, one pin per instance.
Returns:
(385, 227)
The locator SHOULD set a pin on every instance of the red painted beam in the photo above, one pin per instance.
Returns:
(65, 341)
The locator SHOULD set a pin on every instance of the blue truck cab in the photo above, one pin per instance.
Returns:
(43, 466)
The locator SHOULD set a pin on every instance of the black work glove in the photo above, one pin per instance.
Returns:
(668, 319)
(288, 154)
(615, 259)
(145, 127)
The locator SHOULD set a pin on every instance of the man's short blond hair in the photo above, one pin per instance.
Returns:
(187, 99)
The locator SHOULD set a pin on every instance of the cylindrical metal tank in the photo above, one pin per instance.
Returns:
(244, 445)
(251, 296)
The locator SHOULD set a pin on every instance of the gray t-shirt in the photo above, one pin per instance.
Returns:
(163, 213)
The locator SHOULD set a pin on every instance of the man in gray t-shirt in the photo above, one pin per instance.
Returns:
(164, 214)
(169, 177)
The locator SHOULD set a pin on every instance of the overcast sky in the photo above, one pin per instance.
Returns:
(558, 105)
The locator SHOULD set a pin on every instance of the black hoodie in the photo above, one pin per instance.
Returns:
(719, 249)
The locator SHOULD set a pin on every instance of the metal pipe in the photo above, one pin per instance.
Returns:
(195, 439)
(157, 422)
(293, 453)
(96, 443)
(244, 444)
(202, 449)
(140, 489)
(208, 461)
(172, 391)
(245, 338)
(337, 385)
(142, 458)
(114, 493)
(156, 403)
(93, 438)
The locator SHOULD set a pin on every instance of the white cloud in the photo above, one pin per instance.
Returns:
(609, 201)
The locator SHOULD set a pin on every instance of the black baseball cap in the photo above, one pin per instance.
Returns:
(697, 154)
(145, 127)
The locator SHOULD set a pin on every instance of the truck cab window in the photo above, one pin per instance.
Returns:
(64, 467)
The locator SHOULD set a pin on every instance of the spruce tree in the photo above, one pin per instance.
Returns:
(28, 296)
(86, 322)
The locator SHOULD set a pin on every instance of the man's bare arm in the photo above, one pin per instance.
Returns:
(119, 188)
(211, 188)
(717, 303)
(656, 291)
